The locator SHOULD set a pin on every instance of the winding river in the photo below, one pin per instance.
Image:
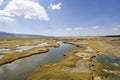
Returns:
(22, 68)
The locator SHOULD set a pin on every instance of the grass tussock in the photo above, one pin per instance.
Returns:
(61, 75)
(54, 72)
(106, 71)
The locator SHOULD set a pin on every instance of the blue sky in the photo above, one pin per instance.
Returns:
(60, 17)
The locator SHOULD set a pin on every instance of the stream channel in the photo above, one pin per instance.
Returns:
(22, 68)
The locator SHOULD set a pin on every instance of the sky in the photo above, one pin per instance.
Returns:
(60, 17)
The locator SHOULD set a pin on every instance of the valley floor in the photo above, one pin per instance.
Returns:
(79, 64)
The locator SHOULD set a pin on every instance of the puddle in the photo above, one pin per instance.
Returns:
(1, 56)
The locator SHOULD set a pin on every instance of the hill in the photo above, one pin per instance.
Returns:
(5, 34)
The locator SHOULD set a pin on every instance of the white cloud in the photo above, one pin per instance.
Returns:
(49, 30)
(28, 8)
(6, 19)
(68, 29)
(117, 28)
(1, 1)
(55, 6)
(77, 28)
(96, 27)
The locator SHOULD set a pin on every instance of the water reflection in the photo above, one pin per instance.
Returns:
(24, 48)
(22, 68)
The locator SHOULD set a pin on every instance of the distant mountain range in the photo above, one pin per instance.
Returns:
(5, 34)
(112, 36)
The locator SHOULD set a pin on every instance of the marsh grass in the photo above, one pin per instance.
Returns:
(12, 43)
(61, 75)
(55, 71)
(106, 72)
(105, 69)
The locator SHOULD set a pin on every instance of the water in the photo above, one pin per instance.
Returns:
(22, 68)
(107, 58)
(1, 56)
(4, 49)
(109, 66)
(24, 48)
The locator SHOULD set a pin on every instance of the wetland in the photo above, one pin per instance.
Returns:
(63, 58)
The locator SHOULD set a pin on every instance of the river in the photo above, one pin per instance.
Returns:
(22, 68)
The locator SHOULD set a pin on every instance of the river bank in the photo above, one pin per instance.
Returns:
(22, 68)
(79, 63)
(12, 54)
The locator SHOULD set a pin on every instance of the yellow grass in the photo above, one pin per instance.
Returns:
(12, 43)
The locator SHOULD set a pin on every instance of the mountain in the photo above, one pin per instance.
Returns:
(5, 34)
(112, 36)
